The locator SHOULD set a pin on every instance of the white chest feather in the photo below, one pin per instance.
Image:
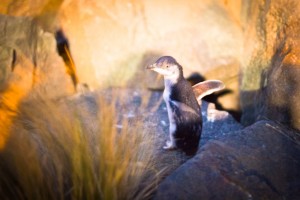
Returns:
(169, 82)
(167, 94)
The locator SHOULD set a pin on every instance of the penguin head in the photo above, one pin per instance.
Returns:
(167, 66)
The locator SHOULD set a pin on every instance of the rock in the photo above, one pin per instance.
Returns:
(22, 43)
(6, 60)
(216, 124)
(258, 162)
(270, 81)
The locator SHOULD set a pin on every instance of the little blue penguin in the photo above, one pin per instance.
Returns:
(184, 111)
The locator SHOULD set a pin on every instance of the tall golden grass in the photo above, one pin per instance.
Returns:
(51, 154)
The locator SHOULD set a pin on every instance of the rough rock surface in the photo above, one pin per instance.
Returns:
(270, 81)
(258, 162)
(25, 45)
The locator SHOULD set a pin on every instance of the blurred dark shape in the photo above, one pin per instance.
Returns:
(14, 60)
(195, 78)
(63, 49)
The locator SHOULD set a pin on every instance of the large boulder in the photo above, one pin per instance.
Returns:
(258, 162)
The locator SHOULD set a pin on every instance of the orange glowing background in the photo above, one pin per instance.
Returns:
(13, 93)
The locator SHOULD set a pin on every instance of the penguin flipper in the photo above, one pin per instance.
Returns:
(207, 87)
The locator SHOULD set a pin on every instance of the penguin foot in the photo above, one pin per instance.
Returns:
(169, 146)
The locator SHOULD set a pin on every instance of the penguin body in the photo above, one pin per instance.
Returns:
(184, 111)
(184, 115)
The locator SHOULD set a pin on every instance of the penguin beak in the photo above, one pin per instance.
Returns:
(158, 69)
(151, 67)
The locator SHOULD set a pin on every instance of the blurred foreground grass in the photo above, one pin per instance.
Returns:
(50, 154)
